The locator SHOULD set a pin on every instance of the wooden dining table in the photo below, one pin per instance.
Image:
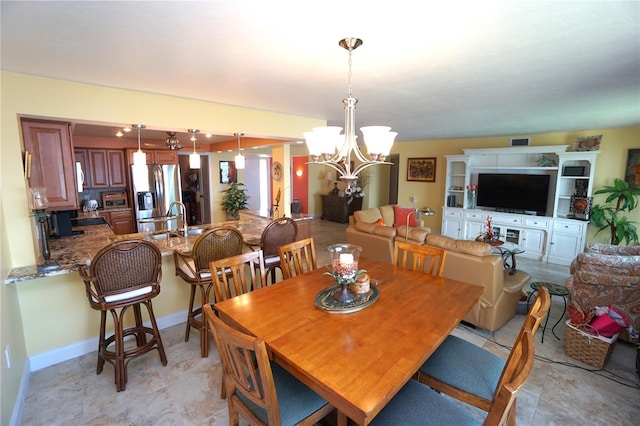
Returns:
(357, 361)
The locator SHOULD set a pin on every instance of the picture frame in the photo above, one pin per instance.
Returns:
(587, 143)
(632, 172)
(228, 172)
(276, 170)
(421, 169)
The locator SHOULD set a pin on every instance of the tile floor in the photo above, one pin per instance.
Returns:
(559, 391)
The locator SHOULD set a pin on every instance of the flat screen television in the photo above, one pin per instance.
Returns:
(514, 193)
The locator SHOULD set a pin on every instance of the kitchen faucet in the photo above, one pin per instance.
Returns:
(182, 210)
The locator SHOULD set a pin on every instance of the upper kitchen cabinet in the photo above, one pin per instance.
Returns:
(49, 147)
(156, 156)
(103, 168)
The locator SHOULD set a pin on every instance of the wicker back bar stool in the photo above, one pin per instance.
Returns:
(124, 275)
(193, 267)
(277, 233)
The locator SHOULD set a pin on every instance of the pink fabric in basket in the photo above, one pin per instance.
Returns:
(610, 323)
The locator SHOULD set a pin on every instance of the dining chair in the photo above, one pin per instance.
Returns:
(123, 275)
(417, 404)
(278, 232)
(260, 391)
(453, 368)
(427, 259)
(193, 267)
(236, 275)
(297, 258)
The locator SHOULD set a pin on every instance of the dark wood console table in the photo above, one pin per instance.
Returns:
(338, 209)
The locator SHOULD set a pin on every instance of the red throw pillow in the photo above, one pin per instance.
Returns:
(379, 222)
(400, 216)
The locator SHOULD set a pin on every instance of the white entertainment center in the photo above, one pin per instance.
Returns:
(554, 237)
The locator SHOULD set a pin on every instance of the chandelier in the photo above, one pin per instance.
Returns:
(172, 142)
(327, 146)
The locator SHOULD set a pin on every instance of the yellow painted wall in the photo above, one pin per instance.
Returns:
(44, 314)
(610, 164)
(22, 304)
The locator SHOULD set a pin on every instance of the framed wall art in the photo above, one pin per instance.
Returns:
(587, 143)
(632, 174)
(421, 169)
(228, 172)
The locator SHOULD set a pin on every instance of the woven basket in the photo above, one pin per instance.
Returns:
(589, 348)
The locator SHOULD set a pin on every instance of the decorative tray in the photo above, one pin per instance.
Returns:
(326, 302)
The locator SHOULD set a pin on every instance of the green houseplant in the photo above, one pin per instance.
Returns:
(234, 200)
(606, 216)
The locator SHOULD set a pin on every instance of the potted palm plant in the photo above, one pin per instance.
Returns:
(234, 200)
(607, 216)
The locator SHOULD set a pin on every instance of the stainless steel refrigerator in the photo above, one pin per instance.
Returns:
(155, 187)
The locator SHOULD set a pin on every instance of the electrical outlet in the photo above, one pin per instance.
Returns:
(7, 355)
(413, 199)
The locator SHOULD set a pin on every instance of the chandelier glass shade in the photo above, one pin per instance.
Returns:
(239, 159)
(139, 157)
(329, 147)
(194, 158)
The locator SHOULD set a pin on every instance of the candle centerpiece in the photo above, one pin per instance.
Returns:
(344, 269)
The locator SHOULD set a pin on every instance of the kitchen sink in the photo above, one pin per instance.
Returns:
(163, 235)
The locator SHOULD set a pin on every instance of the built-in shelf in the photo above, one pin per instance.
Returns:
(556, 237)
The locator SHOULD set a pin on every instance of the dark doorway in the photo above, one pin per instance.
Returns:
(394, 171)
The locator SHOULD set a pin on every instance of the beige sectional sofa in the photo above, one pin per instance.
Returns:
(467, 261)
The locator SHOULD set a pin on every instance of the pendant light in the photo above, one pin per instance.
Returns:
(328, 147)
(239, 158)
(194, 159)
(139, 157)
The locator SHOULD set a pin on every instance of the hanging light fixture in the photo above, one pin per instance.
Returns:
(327, 146)
(139, 157)
(239, 158)
(194, 159)
(172, 141)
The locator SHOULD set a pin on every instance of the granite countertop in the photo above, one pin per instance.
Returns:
(75, 250)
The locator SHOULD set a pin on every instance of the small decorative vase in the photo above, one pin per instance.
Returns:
(344, 264)
(472, 198)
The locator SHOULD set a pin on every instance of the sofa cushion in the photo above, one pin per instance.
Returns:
(372, 228)
(367, 215)
(475, 248)
(417, 235)
(387, 214)
(385, 231)
(401, 215)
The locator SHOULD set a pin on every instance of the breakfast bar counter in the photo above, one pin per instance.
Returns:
(75, 250)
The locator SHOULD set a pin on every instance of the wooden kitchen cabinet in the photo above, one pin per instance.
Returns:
(82, 158)
(49, 145)
(121, 221)
(106, 168)
(156, 156)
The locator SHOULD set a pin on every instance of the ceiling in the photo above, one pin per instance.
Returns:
(427, 69)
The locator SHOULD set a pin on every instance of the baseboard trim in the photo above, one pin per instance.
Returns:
(18, 407)
(74, 350)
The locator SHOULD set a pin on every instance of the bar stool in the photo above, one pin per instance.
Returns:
(277, 233)
(122, 275)
(193, 267)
